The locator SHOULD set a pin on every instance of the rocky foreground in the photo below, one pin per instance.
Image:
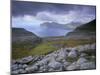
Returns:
(77, 58)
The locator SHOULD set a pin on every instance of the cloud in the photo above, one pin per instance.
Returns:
(65, 18)
(26, 20)
(51, 17)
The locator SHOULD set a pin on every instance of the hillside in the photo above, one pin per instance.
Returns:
(20, 34)
(85, 31)
(22, 41)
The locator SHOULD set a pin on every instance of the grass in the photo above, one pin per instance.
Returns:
(43, 49)
(72, 42)
(20, 51)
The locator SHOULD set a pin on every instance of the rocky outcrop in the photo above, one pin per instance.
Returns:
(64, 59)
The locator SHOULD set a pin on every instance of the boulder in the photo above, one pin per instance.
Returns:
(22, 71)
(14, 67)
(81, 60)
(81, 49)
(88, 65)
(15, 72)
(87, 46)
(55, 65)
(43, 68)
(73, 66)
(66, 64)
(73, 53)
(25, 66)
(13, 61)
(83, 55)
(20, 66)
(31, 69)
(26, 60)
(62, 55)
(93, 46)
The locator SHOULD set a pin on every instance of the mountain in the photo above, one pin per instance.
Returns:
(85, 31)
(23, 40)
(20, 34)
(68, 26)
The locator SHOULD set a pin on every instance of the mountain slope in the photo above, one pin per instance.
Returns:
(20, 34)
(22, 42)
(85, 31)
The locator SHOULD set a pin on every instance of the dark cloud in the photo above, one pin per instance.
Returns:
(20, 8)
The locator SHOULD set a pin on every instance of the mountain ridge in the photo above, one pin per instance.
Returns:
(84, 31)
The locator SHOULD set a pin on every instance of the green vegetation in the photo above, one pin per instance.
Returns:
(43, 49)
(69, 59)
(21, 50)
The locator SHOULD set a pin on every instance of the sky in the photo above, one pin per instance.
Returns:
(30, 15)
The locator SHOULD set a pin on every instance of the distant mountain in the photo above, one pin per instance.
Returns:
(84, 31)
(68, 26)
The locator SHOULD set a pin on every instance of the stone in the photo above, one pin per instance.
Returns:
(81, 60)
(14, 67)
(25, 60)
(13, 62)
(22, 71)
(50, 69)
(83, 55)
(87, 46)
(15, 72)
(93, 46)
(73, 53)
(66, 63)
(31, 69)
(62, 55)
(20, 66)
(73, 66)
(43, 68)
(25, 66)
(88, 65)
(55, 65)
(81, 48)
